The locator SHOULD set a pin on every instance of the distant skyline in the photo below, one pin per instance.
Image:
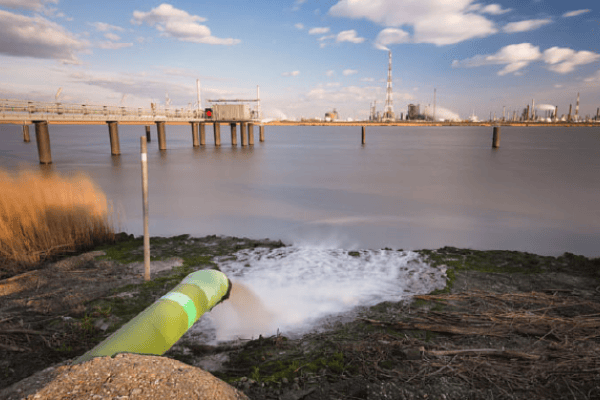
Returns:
(307, 56)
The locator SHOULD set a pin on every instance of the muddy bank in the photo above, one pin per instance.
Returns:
(507, 325)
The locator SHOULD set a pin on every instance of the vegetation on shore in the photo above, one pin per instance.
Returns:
(43, 215)
(426, 343)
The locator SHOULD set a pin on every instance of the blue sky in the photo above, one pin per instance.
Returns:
(307, 56)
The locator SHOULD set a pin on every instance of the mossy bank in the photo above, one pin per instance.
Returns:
(391, 350)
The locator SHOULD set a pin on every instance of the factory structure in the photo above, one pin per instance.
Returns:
(413, 112)
(545, 113)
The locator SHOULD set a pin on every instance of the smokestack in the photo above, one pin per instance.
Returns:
(434, 94)
(257, 102)
(570, 108)
(598, 114)
(577, 109)
(527, 118)
(199, 98)
(504, 113)
(533, 109)
(555, 113)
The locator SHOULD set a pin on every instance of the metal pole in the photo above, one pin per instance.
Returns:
(144, 156)
(148, 138)
(364, 135)
(262, 133)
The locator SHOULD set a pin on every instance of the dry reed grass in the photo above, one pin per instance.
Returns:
(45, 214)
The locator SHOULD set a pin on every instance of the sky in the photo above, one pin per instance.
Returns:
(307, 56)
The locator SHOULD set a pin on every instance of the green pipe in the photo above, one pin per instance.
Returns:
(159, 326)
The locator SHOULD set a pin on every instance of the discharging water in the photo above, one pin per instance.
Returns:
(406, 188)
(291, 289)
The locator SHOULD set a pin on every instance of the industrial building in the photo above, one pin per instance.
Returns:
(332, 116)
(414, 112)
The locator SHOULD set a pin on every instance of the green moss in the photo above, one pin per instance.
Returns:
(354, 253)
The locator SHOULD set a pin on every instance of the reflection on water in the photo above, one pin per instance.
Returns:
(406, 188)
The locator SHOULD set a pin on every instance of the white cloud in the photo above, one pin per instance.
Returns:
(348, 72)
(26, 4)
(440, 22)
(367, 80)
(112, 36)
(297, 4)
(346, 94)
(37, 37)
(575, 13)
(349, 36)
(525, 26)
(106, 45)
(318, 31)
(515, 57)
(299, 26)
(330, 73)
(326, 37)
(292, 73)
(390, 36)
(176, 23)
(594, 78)
(564, 60)
(104, 27)
(494, 9)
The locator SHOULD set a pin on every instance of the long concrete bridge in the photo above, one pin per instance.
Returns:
(41, 114)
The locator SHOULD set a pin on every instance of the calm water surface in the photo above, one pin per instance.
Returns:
(407, 188)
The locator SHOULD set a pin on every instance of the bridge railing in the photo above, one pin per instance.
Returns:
(32, 110)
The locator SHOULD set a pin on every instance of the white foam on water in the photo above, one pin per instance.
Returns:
(290, 288)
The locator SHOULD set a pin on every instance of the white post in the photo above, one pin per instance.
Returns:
(144, 157)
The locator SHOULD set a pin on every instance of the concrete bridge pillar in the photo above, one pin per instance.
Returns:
(496, 137)
(113, 133)
(262, 133)
(162, 137)
(243, 133)
(202, 134)
(251, 134)
(148, 138)
(26, 137)
(217, 132)
(233, 134)
(195, 139)
(42, 138)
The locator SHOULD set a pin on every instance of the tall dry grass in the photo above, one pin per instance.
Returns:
(42, 215)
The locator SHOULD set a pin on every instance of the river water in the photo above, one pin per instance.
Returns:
(408, 187)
